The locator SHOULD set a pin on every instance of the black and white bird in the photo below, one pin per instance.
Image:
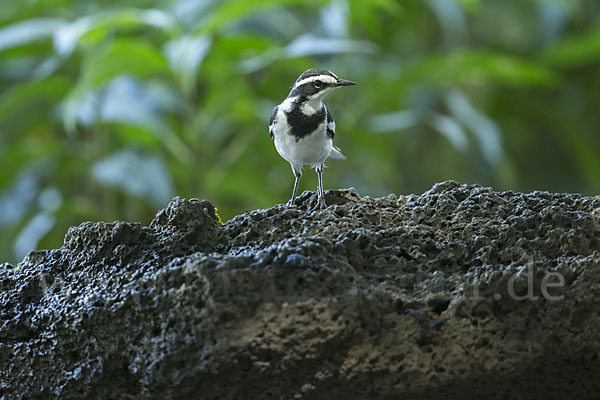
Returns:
(303, 128)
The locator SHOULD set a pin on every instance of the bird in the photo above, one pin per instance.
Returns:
(303, 128)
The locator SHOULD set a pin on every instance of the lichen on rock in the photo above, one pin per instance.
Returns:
(437, 296)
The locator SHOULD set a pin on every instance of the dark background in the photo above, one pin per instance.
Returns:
(110, 108)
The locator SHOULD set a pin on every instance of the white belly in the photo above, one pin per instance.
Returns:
(310, 150)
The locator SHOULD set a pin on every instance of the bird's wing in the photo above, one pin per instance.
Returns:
(330, 124)
(337, 153)
(272, 121)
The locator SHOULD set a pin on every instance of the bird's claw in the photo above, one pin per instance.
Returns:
(319, 206)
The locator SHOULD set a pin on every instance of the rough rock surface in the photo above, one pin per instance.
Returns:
(390, 298)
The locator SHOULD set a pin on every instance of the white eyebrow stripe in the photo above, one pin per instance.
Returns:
(323, 78)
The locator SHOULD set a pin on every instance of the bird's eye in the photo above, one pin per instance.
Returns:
(318, 84)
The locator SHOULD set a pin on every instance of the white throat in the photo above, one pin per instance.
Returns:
(311, 107)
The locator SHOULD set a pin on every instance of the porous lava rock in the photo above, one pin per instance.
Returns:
(437, 296)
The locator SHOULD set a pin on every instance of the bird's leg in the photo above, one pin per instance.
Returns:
(320, 195)
(298, 174)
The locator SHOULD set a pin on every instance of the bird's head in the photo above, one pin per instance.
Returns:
(314, 84)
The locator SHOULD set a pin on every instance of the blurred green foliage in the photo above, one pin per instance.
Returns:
(110, 108)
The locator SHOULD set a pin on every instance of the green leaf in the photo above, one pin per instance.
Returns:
(28, 31)
(124, 19)
(391, 6)
(575, 50)
(27, 102)
(137, 174)
(470, 5)
(451, 129)
(309, 44)
(185, 56)
(130, 56)
(125, 101)
(19, 198)
(67, 35)
(235, 10)
(473, 68)
(31, 234)
(485, 129)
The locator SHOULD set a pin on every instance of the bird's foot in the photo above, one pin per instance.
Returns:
(291, 203)
(320, 205)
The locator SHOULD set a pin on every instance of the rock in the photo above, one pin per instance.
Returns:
(449, 295)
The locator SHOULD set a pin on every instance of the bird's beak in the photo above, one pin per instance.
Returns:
(343, 82)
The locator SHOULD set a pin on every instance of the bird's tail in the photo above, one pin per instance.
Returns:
(337, 153)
